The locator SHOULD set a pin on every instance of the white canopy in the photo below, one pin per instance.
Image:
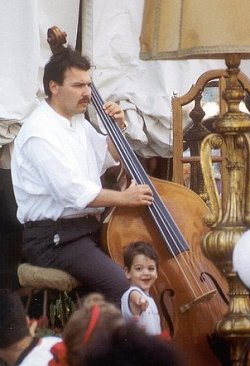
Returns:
(111, 31)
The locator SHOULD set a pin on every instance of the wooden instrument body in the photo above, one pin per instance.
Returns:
(189, 326)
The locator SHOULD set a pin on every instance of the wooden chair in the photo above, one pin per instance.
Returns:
(198, 131)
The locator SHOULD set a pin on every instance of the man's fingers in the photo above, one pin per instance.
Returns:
(132, 183)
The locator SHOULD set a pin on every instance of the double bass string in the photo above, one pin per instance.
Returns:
(156, 211)
(128, 155)
(162, 218)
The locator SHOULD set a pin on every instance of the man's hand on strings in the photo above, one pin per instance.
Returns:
(115, 111)
(138, 195)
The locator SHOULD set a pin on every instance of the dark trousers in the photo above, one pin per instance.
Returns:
(72, 245)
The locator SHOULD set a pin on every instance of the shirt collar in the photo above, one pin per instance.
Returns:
(55, 114)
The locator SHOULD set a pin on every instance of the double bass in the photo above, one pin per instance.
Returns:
(189, 291)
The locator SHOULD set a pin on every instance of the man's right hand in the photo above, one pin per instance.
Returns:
(134, 195)
(138, 195)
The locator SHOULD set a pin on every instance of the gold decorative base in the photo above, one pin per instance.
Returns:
(228, 224)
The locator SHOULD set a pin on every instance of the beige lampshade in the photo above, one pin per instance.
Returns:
(173, 29)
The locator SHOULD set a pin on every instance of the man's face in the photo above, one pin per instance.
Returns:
(74, 95)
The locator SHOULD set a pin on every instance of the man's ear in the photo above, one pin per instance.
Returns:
(127, 273)
(53, 87)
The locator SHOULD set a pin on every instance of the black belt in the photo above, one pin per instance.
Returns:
(48, 222)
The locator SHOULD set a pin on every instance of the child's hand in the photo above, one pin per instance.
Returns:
(137, 302)
(142, 303)
(32, 326)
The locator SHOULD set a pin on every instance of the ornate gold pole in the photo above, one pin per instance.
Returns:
(227, 224)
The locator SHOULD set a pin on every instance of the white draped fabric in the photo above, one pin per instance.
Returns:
(23, 33)
(111, 31)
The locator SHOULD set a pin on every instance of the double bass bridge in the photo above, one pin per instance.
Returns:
(198, 300)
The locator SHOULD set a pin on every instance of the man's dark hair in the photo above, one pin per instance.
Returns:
(13, 323)
(59, 63)
(136, 248)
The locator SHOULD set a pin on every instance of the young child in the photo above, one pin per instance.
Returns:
(141, 269)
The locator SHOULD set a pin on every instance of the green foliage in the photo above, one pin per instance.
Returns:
(61, 309)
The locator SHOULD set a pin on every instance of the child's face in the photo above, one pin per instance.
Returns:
(142, 273)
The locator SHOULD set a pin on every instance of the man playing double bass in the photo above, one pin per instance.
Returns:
(57, 163)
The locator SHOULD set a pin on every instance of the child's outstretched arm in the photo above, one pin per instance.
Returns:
(137, 302)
